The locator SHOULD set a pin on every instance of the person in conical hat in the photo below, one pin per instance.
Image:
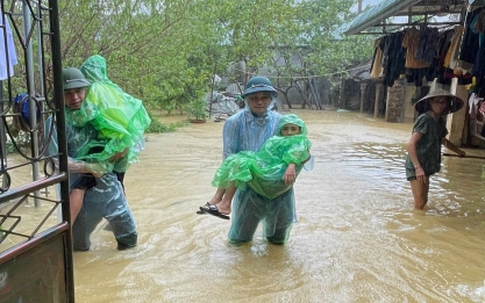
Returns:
(454, 103)
(424, 147)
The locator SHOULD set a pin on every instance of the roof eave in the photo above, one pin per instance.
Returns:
(378, 14)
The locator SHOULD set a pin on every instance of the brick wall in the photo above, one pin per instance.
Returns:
(395, 101)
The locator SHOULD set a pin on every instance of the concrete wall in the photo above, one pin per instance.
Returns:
(395, 101)
(409, 111)
(456, 123)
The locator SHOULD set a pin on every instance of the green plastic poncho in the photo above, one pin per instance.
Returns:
(263, 170)
(119, 118)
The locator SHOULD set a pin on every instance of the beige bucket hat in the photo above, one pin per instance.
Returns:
(455, 103)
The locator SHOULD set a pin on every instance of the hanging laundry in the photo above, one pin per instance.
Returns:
(393, 57)
(473, 103)
(376, 66)
(411, 43)
(470, 42)
(427, 44)
(8, 56)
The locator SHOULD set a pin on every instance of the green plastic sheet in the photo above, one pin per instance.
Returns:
(120, 119)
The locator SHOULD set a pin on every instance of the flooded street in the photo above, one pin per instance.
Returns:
(357, 240)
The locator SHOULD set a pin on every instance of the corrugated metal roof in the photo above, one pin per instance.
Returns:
(377, 15)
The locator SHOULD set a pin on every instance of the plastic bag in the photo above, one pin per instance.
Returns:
(21, 108)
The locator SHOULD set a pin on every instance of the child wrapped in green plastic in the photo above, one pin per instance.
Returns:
(120, 120)
(270, 172)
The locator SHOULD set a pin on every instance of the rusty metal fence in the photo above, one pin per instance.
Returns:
(35, 237)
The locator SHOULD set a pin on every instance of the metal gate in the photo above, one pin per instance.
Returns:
(35, 236)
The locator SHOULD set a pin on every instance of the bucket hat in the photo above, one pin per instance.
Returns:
(73, 78)
(454, 102)
(258, 84)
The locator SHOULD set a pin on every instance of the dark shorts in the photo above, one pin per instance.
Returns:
(84, 182)
(411, 174)
(87, 180)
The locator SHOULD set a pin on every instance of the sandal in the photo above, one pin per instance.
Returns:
(200, 211)
(214, 210)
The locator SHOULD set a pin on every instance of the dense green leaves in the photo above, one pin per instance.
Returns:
(164, 52)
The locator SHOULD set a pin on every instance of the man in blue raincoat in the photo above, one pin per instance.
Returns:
(247, 131)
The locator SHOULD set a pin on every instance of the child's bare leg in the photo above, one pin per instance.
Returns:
(225, 205)
(217, 198)
(420, 193)
(76, 197)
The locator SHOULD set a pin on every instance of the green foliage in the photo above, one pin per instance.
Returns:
(158, 127)
(197, 109)
(165, 52)
(329, 52)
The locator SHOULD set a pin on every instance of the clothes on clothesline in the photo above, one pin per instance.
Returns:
(393, 57)
(415, 55)
(471, 38)
(419, 53)
(8, 56)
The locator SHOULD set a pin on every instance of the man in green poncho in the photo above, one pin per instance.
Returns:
(104, 198)
(120, 120)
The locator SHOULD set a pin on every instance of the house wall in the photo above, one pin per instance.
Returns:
(395, 101)
(456, 123)
(409, 111)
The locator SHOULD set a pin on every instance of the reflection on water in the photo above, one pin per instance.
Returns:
(358, 238)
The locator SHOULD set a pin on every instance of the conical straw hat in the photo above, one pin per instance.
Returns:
(455, 103)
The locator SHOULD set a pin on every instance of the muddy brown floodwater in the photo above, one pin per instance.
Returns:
(357, 240)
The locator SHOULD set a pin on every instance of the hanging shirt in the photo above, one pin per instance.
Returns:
(453, 50)
(411, 42)
(8, 56)
(470, 44)
(376, 70)
(478, 26)
(427, 44)
(393, 57)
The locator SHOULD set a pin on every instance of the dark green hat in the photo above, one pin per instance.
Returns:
(259, 84)
(73, 78)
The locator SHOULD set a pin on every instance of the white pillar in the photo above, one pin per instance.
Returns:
(456, 122)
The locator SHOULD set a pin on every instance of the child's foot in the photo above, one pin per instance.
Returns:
(224, 207)
(213, 210)
(214, 201)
